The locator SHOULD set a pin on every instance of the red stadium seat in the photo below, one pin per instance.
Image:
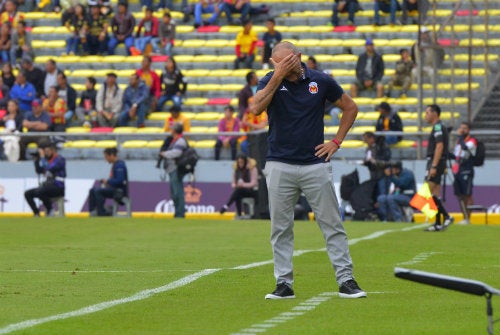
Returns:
(219, 101)
(208, 29)
(102, 130)
(344, 29)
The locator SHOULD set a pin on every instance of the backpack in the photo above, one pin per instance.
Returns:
(187, 161)
(480, 153)
(348, 184)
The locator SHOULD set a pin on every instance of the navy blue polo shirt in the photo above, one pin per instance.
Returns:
(296, 115)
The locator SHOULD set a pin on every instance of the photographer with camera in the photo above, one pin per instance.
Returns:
(53, 166)
(115, 187)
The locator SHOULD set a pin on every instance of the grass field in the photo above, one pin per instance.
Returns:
(152, 276)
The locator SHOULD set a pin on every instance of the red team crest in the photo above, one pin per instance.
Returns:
(313, 87)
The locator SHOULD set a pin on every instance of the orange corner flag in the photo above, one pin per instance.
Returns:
(423, 201)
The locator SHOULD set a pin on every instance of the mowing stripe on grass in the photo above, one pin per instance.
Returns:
(182, 282)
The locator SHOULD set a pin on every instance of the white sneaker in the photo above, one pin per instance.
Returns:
(464, 222)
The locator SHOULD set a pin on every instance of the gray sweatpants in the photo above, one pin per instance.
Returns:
(285, 182)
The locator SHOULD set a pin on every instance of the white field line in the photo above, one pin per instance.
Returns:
(96, 271)
(171, 286)
(420, 258)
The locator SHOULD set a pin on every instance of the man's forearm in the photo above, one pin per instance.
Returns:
(349, 113)
(264, 97)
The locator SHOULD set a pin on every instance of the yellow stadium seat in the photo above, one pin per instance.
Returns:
(388, 29)
(490, 12)
(32, 145)
(231, 87)
(353, 42)
(411, 28)
(371, 116)
(82, 73)
(400, 42)
(448, 115)
(198, 129)
(221, 73)
(343, 72)
(189, 115)
(230, 29)
(106, 144)
(494, 42)
(150, 130)
(321, 13)
(407, 115)
(331, 129)
(195, 101)
(404, 144)
(362, 129)
(194, 43)
(134, 144)
(391, 57)
(124, 130)
(196, 73)
(320, 29)
(404, 101)
(184, 58)
(380, 42)
(365, 101)
(77, 130)
(125, 73)
(34, 15)
(228, 58)
(134, 59)
(204, 144)
(330, 42)
(113, 59)
(155, 144)
(234, 102)
(307, 42)
(83, 144)
(352, 144)
(365, 28)
(183, 30)
(342, 58)
(206, 87)
(212, 130)
(158, 116)
(216, 43)
(205, 58)
(207, 116)
(473, 42)
(44, 30)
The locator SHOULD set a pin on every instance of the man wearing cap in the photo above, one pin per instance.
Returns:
(108, 102)
(53, 167)
(35, 121)
(23, 91)
(369, 71)
(403, 76)
(389, 120)
(34, 75)
(246, 46)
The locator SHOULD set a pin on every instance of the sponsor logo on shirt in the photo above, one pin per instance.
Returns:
(283, 88)
(313, 87)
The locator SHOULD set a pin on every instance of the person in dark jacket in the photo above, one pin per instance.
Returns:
(344, 6)
(247, 92)
(34, 75)
(53, 167)
(134, 102)
(173, 85)
(68, 94)
(87, 99)
(113, 187)
(377, 155)
(122, 25)
(4, 95)
(389, 120)
(369, 77)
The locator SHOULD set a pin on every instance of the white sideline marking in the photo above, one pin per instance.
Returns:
(182, 282)
(420, 258)
(95, 271)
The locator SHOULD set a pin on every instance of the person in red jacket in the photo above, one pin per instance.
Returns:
(150, 24)
(152, 80)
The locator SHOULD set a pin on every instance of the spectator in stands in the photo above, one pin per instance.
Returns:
(345, 6)
(34, 75)
(8, 76)
(56, 107)
(386, 6)
(109, 102)
(86, 107)
(150, 24)
(270, 38)
(97, 37)
(50, 76)
(53, 167)
(246, 46)
(173, 85)
(175, 149)
(122, 25)
(151, 79)
(5, 42)
(369, 71)
(236, 6)
(11, 123)
(422, 6)
(114, 187)
(205, 7)
(377, 155)
(35, 121)
(134, 103)
(68, 94)
(247, 92)
(23, 92)
(176, 117)
(20, 46)
(249, 123)
(11, 14)
(396, 189)
(4, 95)
(228, 123)
(429, 53)
(245, 183)
(77, 26)
(13, 120)
(403, 76)
(166, 36)
(389, 120)
(312, 63)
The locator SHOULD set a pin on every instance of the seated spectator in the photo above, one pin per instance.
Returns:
(55, 106)
(20, 46)
(345, 6)
(205, 7)
(34, 75)
(151, 79)
(166, 36)
(11, 14)
(122, 25)
(23, 92)
(13, 123)
(150, 24)
(245, 183)
(4, 95)
(176, 117)
(403, 76)
(429, 53)
(96, 42)
(312, 63)
(68, 94)
(5, 42)
(35, 121)
(134, 102)
(173, 85)
(8, 76)
(108, 102)
(386, 6)
(77, 26)
(87, 100)
(50, 76)
(53, 167)
(396, 189)
(389, 120)
(251, 122)
(236, 6)
(270, 38)
(422, 6)
(228, 123)
(369, 77)
(13, 120)
(377, 155)
(114, 187)
(247, 92)
(246, 46)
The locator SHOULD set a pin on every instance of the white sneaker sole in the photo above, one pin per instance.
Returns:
(277, 297)
(353, 296)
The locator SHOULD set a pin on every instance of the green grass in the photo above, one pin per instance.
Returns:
(139, 254)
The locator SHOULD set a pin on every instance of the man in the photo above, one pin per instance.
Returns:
(122, 25)
(228, 123)
(377, 155)
(109, 102)
(68, 94)
(344, 6)
(247, 92)
(402, 77)
(389, 120)
(205, 7)
(235, 6)
(150, 25)
(397, 188)
(56, 108)
(35, 121)
(116, 186)
(97, 37)
(369, 71)
(50, 76)
(437, 152)
(151, 79)
(86, 107)
(23, 92)
(175, 150)
(53, 167)
(34, 75)
(298, 161)
(134, 103)
(5, 96)
(176, 117)
(422, 6)
(429, 53)
(20, 43)
(386, 6)
(270, 38)
(166, 36)
(246, 46)
(463, 169)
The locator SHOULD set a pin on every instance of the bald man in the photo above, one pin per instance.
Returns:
(298, 161)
